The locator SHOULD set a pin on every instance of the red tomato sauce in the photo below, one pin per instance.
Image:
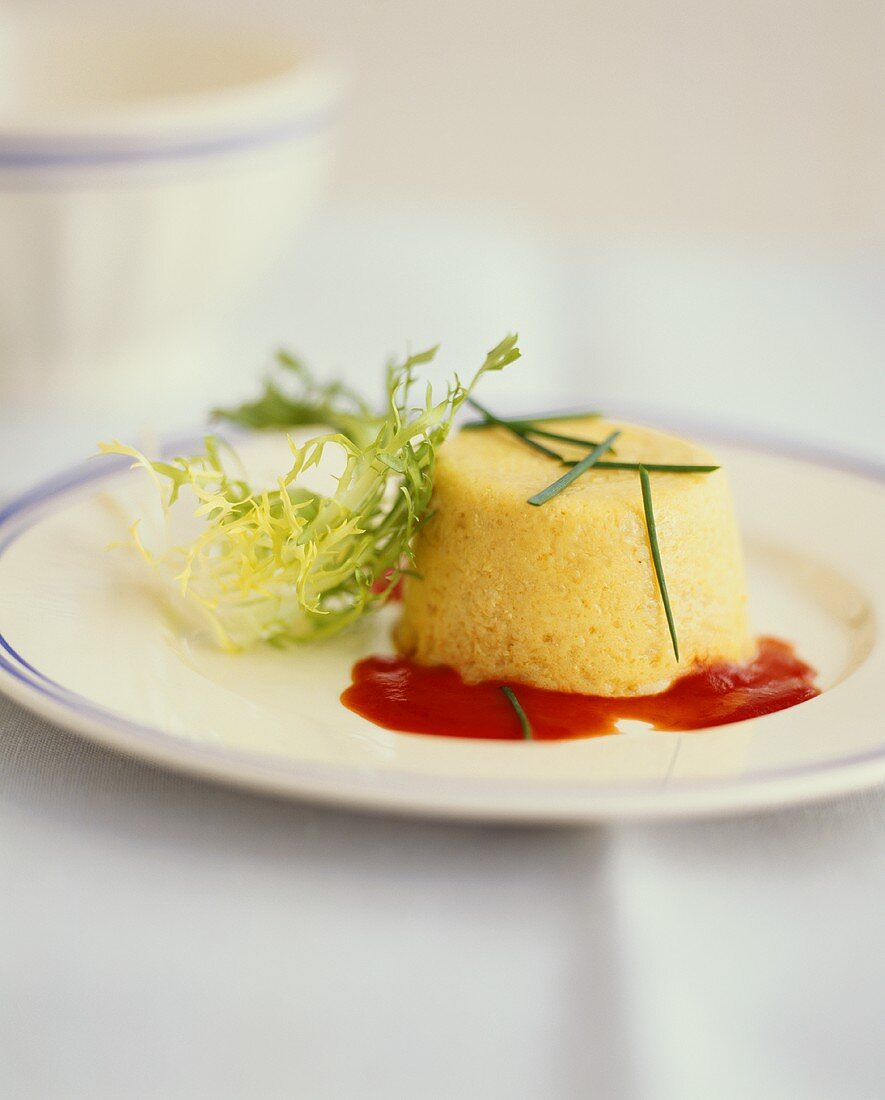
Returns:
(398, 694)
(383, 583)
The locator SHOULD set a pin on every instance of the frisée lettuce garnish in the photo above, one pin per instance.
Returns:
(287, 563)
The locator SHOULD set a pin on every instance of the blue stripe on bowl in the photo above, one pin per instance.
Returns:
(24, 153)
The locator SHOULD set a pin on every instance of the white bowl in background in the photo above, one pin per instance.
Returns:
(151, 169)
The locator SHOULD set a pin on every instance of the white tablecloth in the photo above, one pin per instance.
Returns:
(162, 937)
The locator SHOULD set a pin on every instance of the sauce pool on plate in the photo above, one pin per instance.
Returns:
(398, 694)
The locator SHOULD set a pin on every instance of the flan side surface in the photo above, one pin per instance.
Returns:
(564, 596)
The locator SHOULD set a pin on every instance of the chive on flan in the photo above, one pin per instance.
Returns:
(564, 596)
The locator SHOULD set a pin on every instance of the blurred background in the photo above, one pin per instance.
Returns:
(679, 205)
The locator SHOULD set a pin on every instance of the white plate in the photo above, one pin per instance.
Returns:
(85, 644)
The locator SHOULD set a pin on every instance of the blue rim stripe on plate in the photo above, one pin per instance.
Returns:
(30, 504)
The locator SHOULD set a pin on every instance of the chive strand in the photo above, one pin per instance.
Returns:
(524, 422)
(527, 427)
(493, 421)
(523, 429)
(530, 429)
(645, 482)
(524, 722)
(575, 472)
(652, 467)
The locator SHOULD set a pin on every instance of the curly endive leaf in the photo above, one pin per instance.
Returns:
(333, 404)
(284, 563)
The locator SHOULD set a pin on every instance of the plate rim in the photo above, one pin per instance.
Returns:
(462, 797)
